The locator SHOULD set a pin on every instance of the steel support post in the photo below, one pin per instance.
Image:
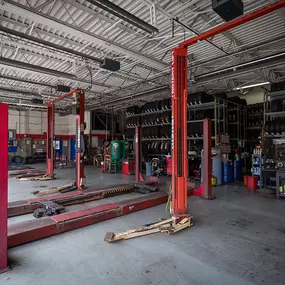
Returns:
(138, 143)
(207, 192)
(50, 137)
(179, 132)
(4, 187)
(80, 145)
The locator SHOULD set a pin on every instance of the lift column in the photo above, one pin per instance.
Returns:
(207, 146)
(138, 142)
(78, 111)
(50, 137)
(179, 132)
(4, 187)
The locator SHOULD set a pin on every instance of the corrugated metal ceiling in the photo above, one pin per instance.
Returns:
(86, 28)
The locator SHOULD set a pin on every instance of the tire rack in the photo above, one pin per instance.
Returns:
(219, 123)
(255, 113)
(238, 126)
(270, 113)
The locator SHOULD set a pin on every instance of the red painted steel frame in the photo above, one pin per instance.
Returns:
(138, 142)
(80, 96)
(234, 23)
(50, 136)
(207, 144)
(179, 132)
(4, 186)
(28, 231)
(179, 105)
(79, 141)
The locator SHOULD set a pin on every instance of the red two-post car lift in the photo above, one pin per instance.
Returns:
(78, 111)
(47, 226)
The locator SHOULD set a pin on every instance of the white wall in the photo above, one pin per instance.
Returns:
(34, 122)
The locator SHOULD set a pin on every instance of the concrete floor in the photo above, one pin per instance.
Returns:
(237, 239)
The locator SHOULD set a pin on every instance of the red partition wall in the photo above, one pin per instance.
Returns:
(4, 185)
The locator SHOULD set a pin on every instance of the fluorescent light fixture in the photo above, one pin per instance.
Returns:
(251, 86)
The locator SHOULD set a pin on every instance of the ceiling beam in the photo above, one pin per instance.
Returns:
(240, 69)
(49, 44)
(129, 97)
(51, 72)
(26, 81)
(58, 25)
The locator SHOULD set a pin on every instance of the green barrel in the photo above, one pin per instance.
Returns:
(116, 150)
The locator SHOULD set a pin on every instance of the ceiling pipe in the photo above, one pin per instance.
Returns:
(27, 81)
(130, 97)
(239, 69)
(241, 51)
(24, 105)
(49, 44)
(31, 67)
(51, 72)
(124, 15)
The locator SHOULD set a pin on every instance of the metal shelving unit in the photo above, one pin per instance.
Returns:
(269, 97)
(217, 110)
(239, 133)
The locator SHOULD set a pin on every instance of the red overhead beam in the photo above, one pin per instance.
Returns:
(64, 96)
(234, 23)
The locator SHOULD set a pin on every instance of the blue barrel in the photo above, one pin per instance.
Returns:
(217, 165)
(231, 172)
(148, 169)
(238, 170)
(227, 172)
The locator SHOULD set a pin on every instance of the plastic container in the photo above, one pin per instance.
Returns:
(252, 182)
(148, 169)
(238, 170)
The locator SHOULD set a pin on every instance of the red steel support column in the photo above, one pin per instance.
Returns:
(179, 132)
(207, 144)
(50, 137)
(4, 186)
(138, 143)
(80, 100)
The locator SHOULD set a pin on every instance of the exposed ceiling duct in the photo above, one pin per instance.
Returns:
(124, 15)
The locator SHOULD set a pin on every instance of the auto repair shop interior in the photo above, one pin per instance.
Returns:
(145, 142)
